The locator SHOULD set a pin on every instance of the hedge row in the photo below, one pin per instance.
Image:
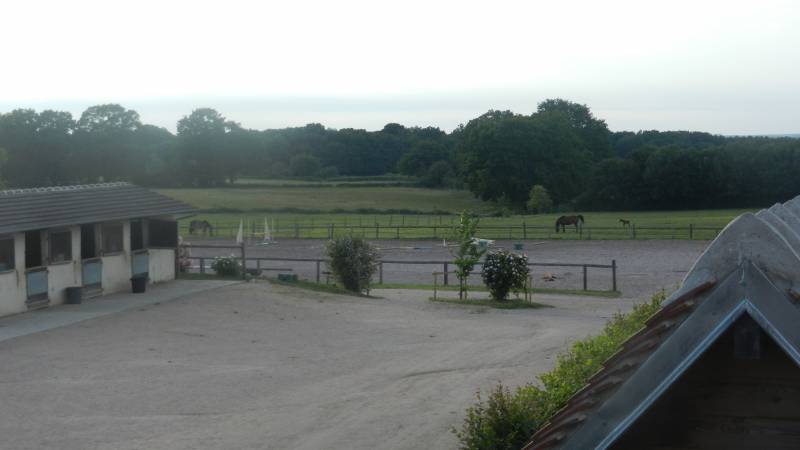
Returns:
(506, 419)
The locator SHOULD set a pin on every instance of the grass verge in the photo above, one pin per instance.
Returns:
(429, 287)
(206, 276)
(318, 287)
(506, 304)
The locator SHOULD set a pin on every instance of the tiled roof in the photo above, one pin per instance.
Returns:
(753, 267)
(38, 208)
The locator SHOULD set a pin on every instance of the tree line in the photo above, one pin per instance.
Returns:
(110, 143)
(561, 148)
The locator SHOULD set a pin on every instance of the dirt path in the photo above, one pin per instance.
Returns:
(256, 366)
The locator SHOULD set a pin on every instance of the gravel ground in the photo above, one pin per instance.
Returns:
(644, 266)
(254, 366)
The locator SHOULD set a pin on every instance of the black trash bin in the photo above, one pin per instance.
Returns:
(139, 283)
(74, 295)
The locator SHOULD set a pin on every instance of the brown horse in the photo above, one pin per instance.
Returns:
(202, 226)
(563, 221)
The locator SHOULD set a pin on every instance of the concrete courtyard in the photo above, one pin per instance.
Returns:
(254, 366)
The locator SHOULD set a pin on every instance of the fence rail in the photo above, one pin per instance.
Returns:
(258, 264)
(521, 231)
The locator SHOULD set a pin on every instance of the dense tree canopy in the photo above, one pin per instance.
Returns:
(503, 155)
(561, 147)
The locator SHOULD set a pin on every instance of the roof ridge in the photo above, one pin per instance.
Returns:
(66, 188)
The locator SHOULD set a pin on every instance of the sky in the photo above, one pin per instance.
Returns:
(727, 67)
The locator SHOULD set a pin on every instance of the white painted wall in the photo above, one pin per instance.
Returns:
(12, 284)
(161, 265)
(67, 274)
(116, 271)
(117, 268)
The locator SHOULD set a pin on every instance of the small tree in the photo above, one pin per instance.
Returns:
(469, 252)
(539, 200)
(353, 262)
(504, 272)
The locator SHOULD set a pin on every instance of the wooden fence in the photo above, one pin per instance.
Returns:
(521, 231)
(262, 264)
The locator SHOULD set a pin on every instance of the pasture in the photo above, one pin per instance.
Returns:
(399, 212)
(331, 199)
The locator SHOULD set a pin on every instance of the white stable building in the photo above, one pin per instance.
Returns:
(91, 236)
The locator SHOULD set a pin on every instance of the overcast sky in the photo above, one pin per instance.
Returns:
(727, 67)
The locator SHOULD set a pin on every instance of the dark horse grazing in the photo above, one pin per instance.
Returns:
(202, 226)
(563, 221)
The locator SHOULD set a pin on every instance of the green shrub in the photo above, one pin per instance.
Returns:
(539, 200)
(504, 272)
(353, 262)
(506, 420)
(227, 266)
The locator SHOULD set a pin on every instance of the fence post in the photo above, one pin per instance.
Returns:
(446, 269)
(584, 278)
(524, 231)
(296, 231)
(614, 275)
(332, 231)
(377, 230)
(434, 231)
(398, 233)
(380, 273)
(244, 262)
(633, 230)
(317, 271)
(691, 231)
(202, 265)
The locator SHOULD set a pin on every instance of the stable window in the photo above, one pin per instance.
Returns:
(33, 249)
(60, 246)
(112, 238)
(6, 254)
(88, 241)
(163, 233)
(137, 235)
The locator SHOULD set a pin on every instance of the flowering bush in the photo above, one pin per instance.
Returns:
(227, 266)
(504, 272)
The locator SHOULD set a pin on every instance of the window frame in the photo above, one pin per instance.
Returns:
(103, 250)
(11, 238)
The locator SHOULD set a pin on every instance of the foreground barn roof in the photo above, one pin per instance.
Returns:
(750, 271)
(32, 209)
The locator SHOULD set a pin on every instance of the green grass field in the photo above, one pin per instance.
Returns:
(363, 211)
(383, 180)
(331, 199)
